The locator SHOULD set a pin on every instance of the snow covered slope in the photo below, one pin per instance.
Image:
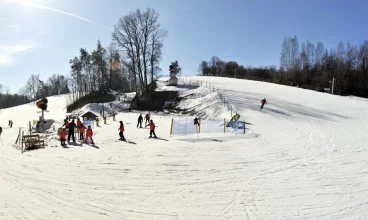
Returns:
(309, 162)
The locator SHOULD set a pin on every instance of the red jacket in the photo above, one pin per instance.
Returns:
(152, 126)
(89, 132)
(62, 135)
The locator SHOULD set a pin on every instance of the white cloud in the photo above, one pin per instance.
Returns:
(9, 50)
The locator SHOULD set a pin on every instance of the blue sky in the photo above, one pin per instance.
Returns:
(38, 40)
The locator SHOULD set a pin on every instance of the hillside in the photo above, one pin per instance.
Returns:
(303, 157)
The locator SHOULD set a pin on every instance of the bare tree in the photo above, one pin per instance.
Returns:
(140, 38)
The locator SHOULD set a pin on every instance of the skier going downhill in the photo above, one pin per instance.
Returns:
(121, 131)
(263, 103)
(140, 120)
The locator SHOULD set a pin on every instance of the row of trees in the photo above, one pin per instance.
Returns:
(306, 65)
(130, 62)
(8, 100)
(34, 89)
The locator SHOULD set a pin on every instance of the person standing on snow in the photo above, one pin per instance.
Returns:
(121, 131)
(89, 134)
(78, 123)
(62, 136)
(140, 120)
(97, 122)
(152, 129)
(263, 103)
(104, 119)
(1, 130)
(81, 132)
(72, 125)
(147, 119)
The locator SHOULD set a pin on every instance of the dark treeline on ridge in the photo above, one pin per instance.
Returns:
(307, 65)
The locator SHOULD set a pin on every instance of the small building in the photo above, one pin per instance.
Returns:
(89, 116)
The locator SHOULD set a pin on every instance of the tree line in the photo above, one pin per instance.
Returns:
(307, 65)
(129, 63)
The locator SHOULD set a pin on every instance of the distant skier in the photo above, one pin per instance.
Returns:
(89, 134)
(263, 103)
(78, 123)
(72, 125)
(66, 123)
(97, 121)
(121, 131)
(1, 130)
(147, 119)
(11, 123)
(104, 119)
(196, 121)
(81, 132)
(140, 120)
(152, 129)
(62, 137)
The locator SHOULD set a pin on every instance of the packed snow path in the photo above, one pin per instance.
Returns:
(309, 162)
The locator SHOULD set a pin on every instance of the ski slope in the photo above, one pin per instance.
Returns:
(308, 162)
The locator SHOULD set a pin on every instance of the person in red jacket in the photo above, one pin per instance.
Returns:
(62, 136)
(81, 132)
(89, 134)
(121, 131)
(263, 103)
(152, 129)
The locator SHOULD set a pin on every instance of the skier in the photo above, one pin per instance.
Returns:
(104, 119)
(147, 119)
(78, 123)
(152, 129)
(66, 123)
(89, 134)
(196, 121)
(81, 132)
(97, 122)
(140, 120)
(121, 131)
(72, 125)
(62, 137)
(263, 103)
(11, 123)
(1, 130)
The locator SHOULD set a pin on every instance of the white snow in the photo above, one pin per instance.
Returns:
(307, 161)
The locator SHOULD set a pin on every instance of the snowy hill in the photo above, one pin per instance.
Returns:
(308, 162)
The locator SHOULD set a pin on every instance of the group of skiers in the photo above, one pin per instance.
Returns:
(70, 125)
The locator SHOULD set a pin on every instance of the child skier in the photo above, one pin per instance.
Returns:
(81, 132)
(121, 131)
(152, 129)
(89, 134)
(147, 119)
(263, 103)
(78, 123)
(62, 137)
(104, 119)
(140, 120)
(97, 122)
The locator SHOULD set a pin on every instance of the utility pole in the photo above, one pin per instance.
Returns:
(333, 83)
